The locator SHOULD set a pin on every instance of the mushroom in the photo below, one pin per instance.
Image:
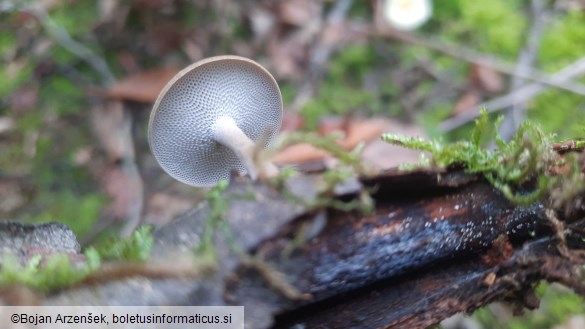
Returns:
(209, 118)
(407, 14)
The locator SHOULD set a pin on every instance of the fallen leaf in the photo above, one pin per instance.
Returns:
(122, 183)
(299, 153)
(288, 56)
(292, 121)
(121, 179)
(486, 79)
(469, 100)
(357, 131)
(112, 127)
(142, 87)
(383, 156)
(298, 12)
(364, 131)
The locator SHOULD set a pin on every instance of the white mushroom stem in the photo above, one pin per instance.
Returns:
(226, 132)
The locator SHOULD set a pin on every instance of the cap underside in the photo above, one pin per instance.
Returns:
(180, 131)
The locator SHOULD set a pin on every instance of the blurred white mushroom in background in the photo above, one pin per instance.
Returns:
(407, 14)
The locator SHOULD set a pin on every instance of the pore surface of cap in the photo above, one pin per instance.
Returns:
(181, 123)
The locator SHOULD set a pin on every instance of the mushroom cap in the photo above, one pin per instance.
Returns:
(180, 131)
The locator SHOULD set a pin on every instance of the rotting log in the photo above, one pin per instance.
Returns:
(436, 244)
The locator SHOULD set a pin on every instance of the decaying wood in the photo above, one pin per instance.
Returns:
(437, 243)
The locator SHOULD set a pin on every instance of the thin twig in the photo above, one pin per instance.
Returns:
(471, 56)
(516, 113)
(521, 94)
(320, 55)
(63, 38)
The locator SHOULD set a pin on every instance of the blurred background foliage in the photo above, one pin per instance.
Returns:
(55, 164)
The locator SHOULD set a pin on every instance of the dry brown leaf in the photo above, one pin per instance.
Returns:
(288, 56)
(384, 156)
(124, 187)
(299, 153)
(482, 81)
(363, 131)
(113, 130)
(357, 131)
(292, 121)
(121, 180)
(141, 87)
(298, 12)
(468, 101)
(486, 79)
(23, 18)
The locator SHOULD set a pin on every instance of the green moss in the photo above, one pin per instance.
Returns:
(559, 112)
(360, 9)
(562, 43)
(288, 92)
(62, 95)
(137, 247)
(11, 80)
(334, 100)
(77, 17)
(80, 212)
(496, 26)
(48, 274)
(508, 168)
(57, 271)
(353, 62)
(7, 42)
(501, 24)
(341, 90)
(218, 207)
